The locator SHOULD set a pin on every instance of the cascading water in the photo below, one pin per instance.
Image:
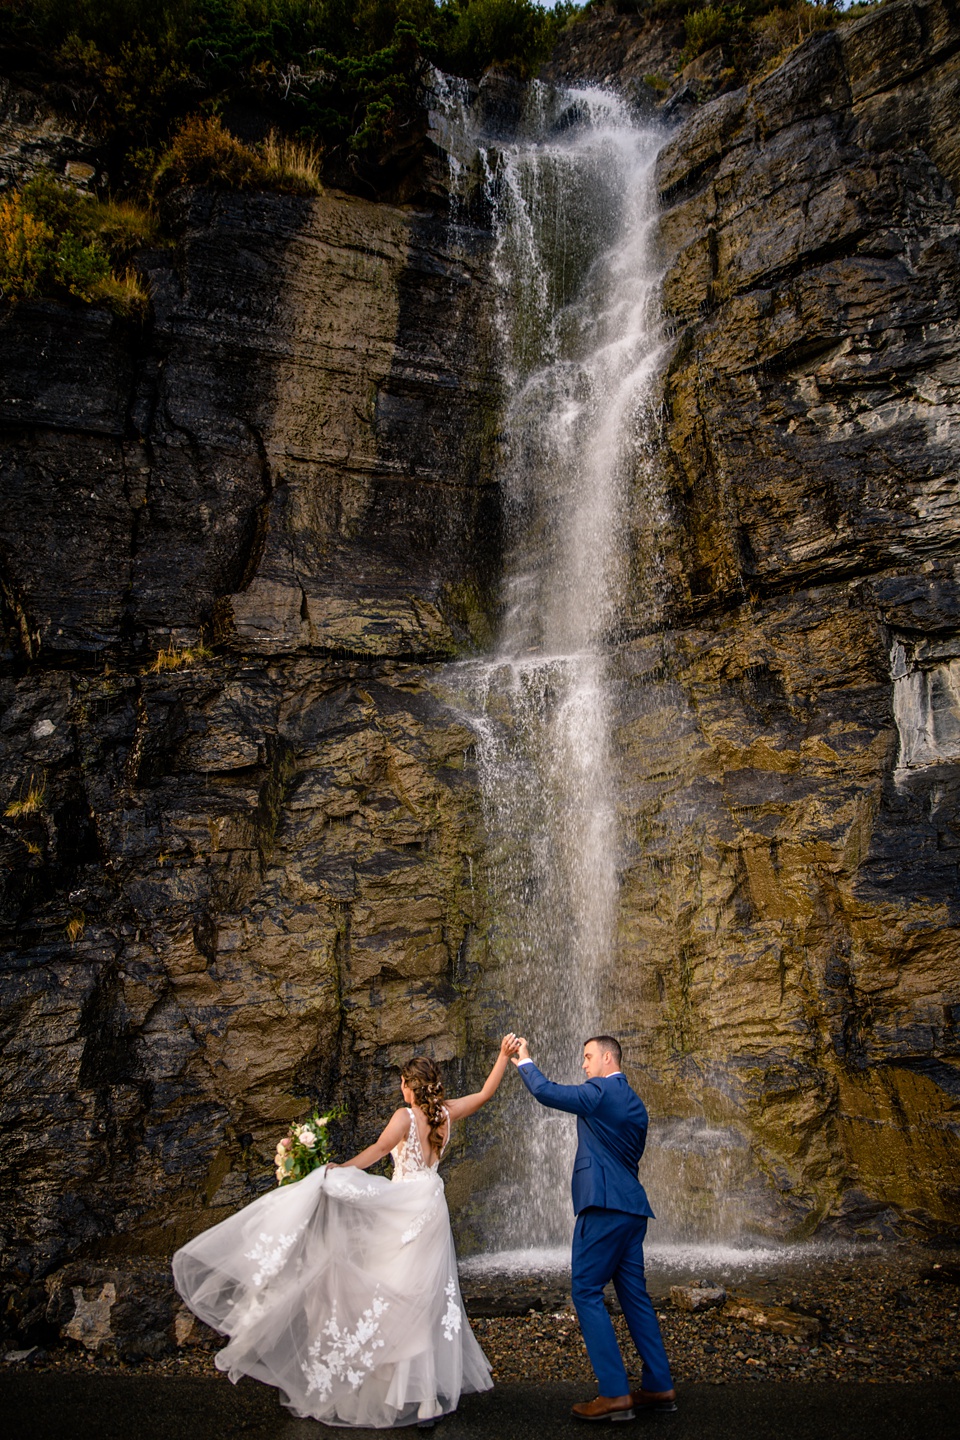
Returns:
(574, 210)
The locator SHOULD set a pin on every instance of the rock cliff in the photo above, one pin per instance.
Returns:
(789, 940)
(236, 879)
(234, 883)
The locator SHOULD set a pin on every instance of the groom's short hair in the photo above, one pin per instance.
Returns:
(607, 1045)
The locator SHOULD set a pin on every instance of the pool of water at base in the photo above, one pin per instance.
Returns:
(680, 1263)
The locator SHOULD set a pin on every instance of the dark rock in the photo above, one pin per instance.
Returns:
(127, 1311)
(797, 761)
(236, 884)
(294, 454)
(304, 521)
(602, 46)
(33, 138)
(943, 1273)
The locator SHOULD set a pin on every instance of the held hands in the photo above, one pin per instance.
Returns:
(509, 1046)
(522, 1050)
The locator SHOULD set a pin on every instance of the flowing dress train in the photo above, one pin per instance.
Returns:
(342, 1291)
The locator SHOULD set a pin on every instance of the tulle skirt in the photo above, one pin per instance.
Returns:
(341, 1290)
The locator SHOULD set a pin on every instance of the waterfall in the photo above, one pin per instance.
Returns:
(573, 202)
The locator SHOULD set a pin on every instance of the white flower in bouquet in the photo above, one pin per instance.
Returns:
(304, 1148)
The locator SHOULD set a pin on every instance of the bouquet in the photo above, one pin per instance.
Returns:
(306, 1147)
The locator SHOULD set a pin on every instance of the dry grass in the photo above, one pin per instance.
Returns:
(75, 927)
(124, 227)
(29, 804)
(779, 31)
(292, 163)
(125, 294)
(204, 153)
(176, 658)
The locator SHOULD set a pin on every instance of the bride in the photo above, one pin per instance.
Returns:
(341, 1289)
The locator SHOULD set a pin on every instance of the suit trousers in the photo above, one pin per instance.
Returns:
(608, 1245)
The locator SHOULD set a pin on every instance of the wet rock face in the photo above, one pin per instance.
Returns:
(295, 456)
(628, 51)
(270, 867)
(790, 927)
(234, 885)
(253, 879)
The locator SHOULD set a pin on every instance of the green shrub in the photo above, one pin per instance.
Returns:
(56, 241)
(345, 75)
(80, 267)
(24, 249)
(516, 33)
(710, 25)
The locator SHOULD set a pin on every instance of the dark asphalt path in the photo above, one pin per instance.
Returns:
(56, 1405)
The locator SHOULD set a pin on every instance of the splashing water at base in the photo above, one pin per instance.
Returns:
(574, 209)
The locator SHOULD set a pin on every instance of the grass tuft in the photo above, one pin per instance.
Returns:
(204, 153)
(177, 657)
(75, 927)
(293, 163)
(29, 804)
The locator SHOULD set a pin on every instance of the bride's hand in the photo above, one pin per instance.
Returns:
(509, 1045)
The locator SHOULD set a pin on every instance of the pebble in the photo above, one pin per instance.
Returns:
(860, 1310)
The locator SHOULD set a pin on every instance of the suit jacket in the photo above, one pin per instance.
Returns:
(611, 1134)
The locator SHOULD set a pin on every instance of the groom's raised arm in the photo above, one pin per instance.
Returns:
(574, 1099)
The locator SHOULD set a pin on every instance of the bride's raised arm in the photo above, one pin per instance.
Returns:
(470, 1104)
(393, 1132)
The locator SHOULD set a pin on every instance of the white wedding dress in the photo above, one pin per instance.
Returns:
(341, 1290)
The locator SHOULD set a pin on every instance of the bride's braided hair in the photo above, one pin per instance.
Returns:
(424, 1080)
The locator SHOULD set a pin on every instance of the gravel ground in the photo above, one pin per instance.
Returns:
(892, 1316)
(889, 1317)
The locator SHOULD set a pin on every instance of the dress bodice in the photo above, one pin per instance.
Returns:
(408, 1157)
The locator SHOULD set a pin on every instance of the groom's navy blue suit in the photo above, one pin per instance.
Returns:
(612, 1210)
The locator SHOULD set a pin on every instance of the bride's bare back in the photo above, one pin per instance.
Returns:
(415, 1152)
(395, 1132)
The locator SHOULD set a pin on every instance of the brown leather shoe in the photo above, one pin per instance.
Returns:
(605, 1408)
(662, 1402)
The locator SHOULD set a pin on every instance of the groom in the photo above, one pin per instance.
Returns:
(612, 1212)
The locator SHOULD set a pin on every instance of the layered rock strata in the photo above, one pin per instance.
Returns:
(240, 882)
(789, 925)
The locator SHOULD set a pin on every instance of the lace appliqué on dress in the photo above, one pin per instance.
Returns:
(422, 1219)
(350, 1353)
(270, 1257)
(408, 1158)
(451, 1318)
(345, 1188)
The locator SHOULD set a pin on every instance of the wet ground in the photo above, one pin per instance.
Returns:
(890, 1314)
(48, 1406)
(885, 1363)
